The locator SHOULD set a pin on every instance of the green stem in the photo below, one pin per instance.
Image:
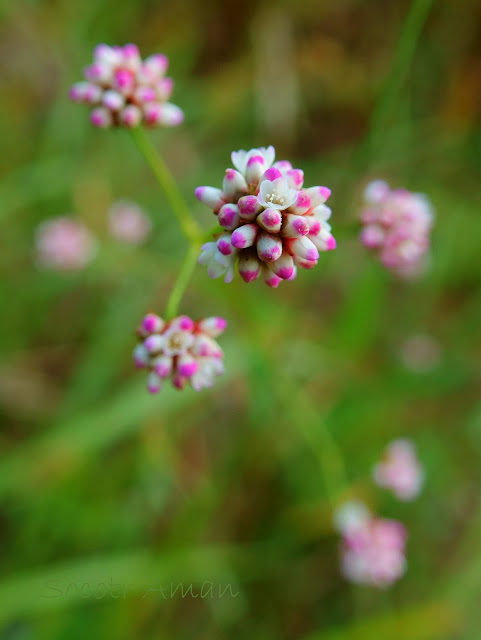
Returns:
(182, 280)
(187, 223)
(326, 450)
(405, 50)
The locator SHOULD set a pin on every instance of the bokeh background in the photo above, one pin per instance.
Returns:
(100, 482)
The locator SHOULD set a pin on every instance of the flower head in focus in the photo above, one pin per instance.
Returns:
(272, 225)
(125, 90)
(128, 223)
(400, 470)
(182, 350)
(64, 244)
(396, 226)
(373, 548)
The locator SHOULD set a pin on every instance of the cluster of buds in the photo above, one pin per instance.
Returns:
(396, 226)
(181, 349)
(126, 90)
(272, 224)
(373, 548)
(128, 223)
(400, 470)
(64, 244)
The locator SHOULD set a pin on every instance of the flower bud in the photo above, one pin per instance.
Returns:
(249, 266)
(269, 248)
(270, 220)
(229, 217)
(234, 184)
(213, 198)
(244, 236)
(294, 226)
(249, 207)
(303, 248)
(101, 118)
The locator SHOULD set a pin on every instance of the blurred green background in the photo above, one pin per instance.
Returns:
(101, 484)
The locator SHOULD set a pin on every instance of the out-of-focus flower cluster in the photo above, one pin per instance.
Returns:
(397, 226)
(125, 90)
(372, 548)
(400, 470)
(64, 244)
(181, 349)
(272, 224)
(128, 223)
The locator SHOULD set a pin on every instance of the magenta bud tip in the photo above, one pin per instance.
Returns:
(331, 243)
(272, 174)
(325, 192)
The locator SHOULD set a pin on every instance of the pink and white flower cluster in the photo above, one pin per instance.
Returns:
(272, 225)
(397, 226)
(64, 244)
(126, 90)
(400, 470)
(128, 223)
(181, 349)
(373, 548)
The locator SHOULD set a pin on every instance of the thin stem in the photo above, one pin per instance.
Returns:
(182, 280)
(327, 451)
(300, 410)
(187, 223)
(405, 50)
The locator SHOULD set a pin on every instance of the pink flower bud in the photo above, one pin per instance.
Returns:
(141, 356)
(213, 198)
(165, 88)
(270, 220)
(269, 247)
(255, 168)
(303, 248)
(244, 236)
(123, 80)
(271, 174)
(162, 365)
(295, 178)
(249, 266)
(229, 217)
(224, 244)
(154, 343)
(249, 207)
(99, 72)
(213, 326)
(318, 195)
(171, 115)
(234, 184)
(152, 323)
(154, 383)
(301, 205)
(283, 267)
(270, 278)
(130, 116)
(113, 100)
(294, 226)
(187, 365)
(101, 118)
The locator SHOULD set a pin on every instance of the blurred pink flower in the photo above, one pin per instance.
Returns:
(271, 224)
(397, 226)
(400, 470)
(64, 244)
(128, 223)
(372, 549)
(181, 349)
(125, 90)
